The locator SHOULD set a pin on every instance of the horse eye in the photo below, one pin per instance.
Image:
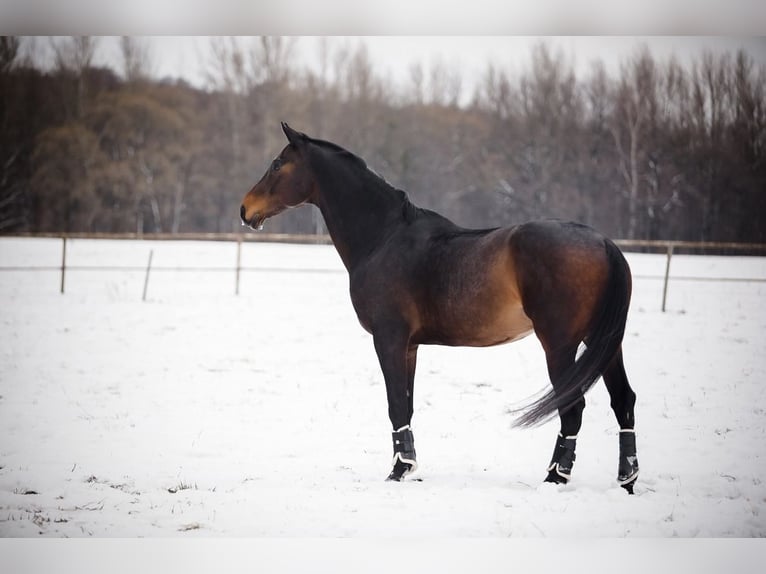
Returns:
(276, 164)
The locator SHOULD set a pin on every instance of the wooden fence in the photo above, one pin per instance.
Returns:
(669, 247)
(666, 247)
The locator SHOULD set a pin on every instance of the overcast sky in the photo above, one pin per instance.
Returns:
(404, 17)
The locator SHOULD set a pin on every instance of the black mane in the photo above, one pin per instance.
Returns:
(340, 151)
(409, 210)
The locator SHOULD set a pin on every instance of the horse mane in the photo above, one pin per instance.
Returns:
(409, 210)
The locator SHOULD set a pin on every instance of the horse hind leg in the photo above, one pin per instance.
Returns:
(563, 458)
(560, 467)
(623, 401)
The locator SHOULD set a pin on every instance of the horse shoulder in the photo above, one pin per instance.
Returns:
(384, 287)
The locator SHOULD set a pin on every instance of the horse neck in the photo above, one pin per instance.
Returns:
(359, 209)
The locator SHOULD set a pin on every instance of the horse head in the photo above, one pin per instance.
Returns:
(287, 182)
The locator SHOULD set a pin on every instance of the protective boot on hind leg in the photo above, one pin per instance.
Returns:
(627, 470)
(623, 400)
(562, 461)
(563, 458)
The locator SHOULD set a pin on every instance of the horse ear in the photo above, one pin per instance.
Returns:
(295, 138)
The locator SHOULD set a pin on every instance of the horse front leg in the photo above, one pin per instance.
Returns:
(397, 361)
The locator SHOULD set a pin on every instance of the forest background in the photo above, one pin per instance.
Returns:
(661, 149)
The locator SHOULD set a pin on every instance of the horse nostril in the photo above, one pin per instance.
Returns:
(242, 212)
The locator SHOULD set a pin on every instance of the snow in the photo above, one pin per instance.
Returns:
(201, 413)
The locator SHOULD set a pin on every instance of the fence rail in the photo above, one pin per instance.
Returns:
(259, 237)
(660, 246)
(670, 246)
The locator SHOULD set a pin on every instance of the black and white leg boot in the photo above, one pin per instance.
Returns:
(404, 454)
(627, 471)
(562, 461)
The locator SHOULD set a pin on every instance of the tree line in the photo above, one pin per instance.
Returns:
(659, 150)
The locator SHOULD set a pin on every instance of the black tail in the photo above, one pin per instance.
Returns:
(603, 344)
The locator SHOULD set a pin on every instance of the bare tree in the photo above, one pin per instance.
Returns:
(270, 59)
(548, 129)
(136, 61)
(417, 81)
(444, 83)
(633, 106)
(496, 92)
(9, 51)
(11, 145)
(359, 79)
(710, 108)
(227, 68)
(324, 61)
(74, 55)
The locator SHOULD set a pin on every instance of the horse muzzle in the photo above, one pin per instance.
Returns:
(255, 222)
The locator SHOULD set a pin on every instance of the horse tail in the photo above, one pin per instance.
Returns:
(602, 345)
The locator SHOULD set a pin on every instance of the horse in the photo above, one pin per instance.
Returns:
(416, 278)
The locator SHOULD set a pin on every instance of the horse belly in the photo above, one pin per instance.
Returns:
(481, 320)
(513, 323)
(506, 325)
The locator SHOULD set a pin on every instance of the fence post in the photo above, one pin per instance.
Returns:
(239, 259)
(146, 279)
(63, 262)
(667, 275)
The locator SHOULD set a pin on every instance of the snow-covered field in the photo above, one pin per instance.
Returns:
(202, 413)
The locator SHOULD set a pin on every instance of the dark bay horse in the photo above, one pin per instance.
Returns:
(416, 278)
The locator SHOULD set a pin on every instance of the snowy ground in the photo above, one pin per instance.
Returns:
(202, 413)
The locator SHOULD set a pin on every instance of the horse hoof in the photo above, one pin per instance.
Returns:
(555, 478)
(400, 470)
(629, 486)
